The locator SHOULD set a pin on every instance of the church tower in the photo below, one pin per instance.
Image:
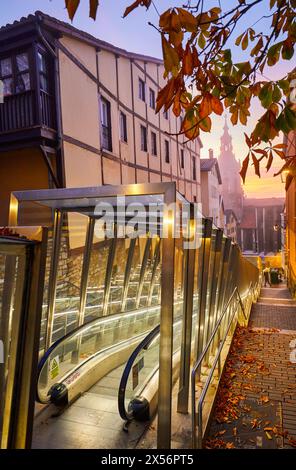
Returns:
(232, 191)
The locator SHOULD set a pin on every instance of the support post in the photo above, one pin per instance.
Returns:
(166, 326)
(184, 379)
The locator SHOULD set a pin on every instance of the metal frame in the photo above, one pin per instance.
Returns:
(168, 191)
(213, 284)
(156, 260)
(52, 287)
(143, 269)
(127, 273)
(109, 269)
(203, 264)
(184, 377)
(85, 269)
(24, 349)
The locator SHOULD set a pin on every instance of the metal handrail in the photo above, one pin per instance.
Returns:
(198, 363)
(124, 414)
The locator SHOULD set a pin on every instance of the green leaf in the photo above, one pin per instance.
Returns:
(265, 95)
(273, 54)
(284, 85)
(276, 95)
(290, 118)
(201, 41)
(281, 123)
(288, 50)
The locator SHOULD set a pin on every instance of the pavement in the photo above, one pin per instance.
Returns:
(256, 401)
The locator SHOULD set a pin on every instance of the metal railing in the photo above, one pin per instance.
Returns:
(191, 284)
(230, 310)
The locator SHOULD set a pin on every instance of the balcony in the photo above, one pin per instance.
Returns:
(23, 117)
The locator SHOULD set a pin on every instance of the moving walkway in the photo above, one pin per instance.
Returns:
(133, 312)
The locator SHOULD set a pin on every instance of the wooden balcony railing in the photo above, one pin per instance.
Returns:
(19, 112)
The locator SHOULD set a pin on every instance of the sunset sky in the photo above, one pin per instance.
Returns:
(134, 34)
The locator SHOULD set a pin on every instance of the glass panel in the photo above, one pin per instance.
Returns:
(93, 341)
(96, 278)
(6, 67)
(8, 86)
(69, 275)
(135, 276)
(146, 365)
(41, 62)
(22, 62)
(44, 82)
(22, 83)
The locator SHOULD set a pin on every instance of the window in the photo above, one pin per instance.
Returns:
(153, 144)
(152, 98)
(15, 74)
(182, 158)
(143, 138)
(106, 124)
(141, 89)
(43, 72)
(194, 168)
(123, 127)
(167, 151)
(166, 114)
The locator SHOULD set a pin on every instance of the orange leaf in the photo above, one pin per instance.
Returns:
(187, 20)
(269, 161)
(72, 6)
(187, 61)
(93, 8)
(170, 55)
(216, 104)
(165, 96)
(244, 168)
(206, 106)
(177, 104)
(256, 164)
(190, 127)
(134, 5)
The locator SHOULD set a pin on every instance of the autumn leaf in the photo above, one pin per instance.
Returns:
(269, 161)
(187, 20)
(256, 164)
(170, 55)
(206, 106)
(166, 95)
(135, 5)
(244, 168)
(72, 6)
(216, 105)
(187, 61)
(229, 445)
(93, 8)
(190, 126)
(177, 104)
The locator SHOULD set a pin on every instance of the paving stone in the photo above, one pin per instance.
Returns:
(267, 339)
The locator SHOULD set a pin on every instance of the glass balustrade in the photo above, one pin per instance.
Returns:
(104, 293)
(98, 337)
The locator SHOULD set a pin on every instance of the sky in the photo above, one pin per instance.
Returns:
(134, 34)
